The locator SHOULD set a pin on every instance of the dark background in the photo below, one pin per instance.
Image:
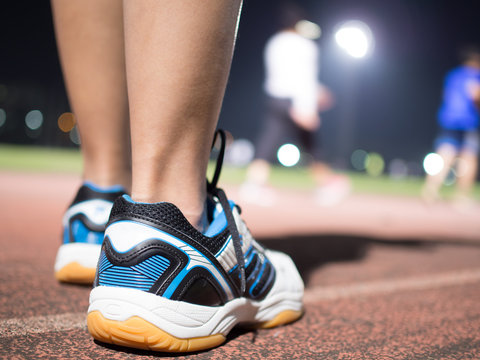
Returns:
(397, 89)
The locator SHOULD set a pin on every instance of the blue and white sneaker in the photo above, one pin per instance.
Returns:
(83, 230)
(164, 286)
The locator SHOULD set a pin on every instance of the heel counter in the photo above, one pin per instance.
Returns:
(85, 222)
(134, 258)
(139, 256)
(140, 275)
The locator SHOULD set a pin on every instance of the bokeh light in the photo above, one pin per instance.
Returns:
(398, 169)
(34, 119)
(433, 164)
(355, 37)
(358, 159)
(240, 152)
(288, 155)
(74, 136)
(450, 179)
(374, 164)
(3, 117)
(66, 122)
(308, 29)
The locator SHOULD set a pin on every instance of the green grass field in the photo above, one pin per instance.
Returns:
(40, 159)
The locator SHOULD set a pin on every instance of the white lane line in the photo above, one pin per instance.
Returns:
(319, 293)
(70, 321)
(42, 324)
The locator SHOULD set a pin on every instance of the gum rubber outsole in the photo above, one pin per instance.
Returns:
(138, 333)
(75, 273)
(285, 317)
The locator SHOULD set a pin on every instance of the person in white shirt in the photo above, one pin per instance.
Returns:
(295, 98)
(291, 64)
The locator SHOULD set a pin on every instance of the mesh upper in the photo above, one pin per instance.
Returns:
(169, 215)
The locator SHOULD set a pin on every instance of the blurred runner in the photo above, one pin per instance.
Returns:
(458, 139)
(293, 103)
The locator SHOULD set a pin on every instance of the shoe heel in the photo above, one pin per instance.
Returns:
(75, 273)
(140, 334)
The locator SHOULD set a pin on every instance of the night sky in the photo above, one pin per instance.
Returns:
(397, 89)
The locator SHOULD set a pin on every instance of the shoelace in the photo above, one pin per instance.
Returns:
(222, 198)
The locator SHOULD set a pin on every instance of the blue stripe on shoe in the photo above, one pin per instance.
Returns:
(269, 280)
(66, 235)
(219, 222)
(141, 276)
(229, 239)
(178, 280)
(249, 256)
(81, 234)
(102, 189)
(103, 263)
(130, 200)
(195, 256)
(153, 267)
(259, 276)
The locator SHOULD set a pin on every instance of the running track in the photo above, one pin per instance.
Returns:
(387, 278)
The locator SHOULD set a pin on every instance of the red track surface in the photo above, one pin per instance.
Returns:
(385, 277)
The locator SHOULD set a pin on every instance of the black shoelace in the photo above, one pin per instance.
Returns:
(213, 190)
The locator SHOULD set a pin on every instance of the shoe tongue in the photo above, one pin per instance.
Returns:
(219, 222)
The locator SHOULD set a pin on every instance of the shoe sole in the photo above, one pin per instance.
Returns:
(140, 334)
(75, 273)
(142, 320)
(76, 263)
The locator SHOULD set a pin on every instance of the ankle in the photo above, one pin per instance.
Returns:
(198, 221)
(108, 180)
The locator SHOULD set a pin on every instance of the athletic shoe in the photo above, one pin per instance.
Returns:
(164, 286)
(83, 230)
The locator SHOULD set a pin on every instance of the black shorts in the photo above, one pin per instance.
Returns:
(279, 128)
(461, 140)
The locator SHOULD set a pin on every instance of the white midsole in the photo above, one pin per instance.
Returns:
(85, 254)
(185, 320)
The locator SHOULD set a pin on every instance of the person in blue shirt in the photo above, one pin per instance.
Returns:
(458, 119)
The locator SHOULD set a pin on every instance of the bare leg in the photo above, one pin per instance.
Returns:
(434, 182)
(178, 58)
(90, 40)
(258, 172)
(321, 172)
(467, 172)
(332, 188)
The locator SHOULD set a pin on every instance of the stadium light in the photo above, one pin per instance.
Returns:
(355, 37)
(288, 155)
(433, 164)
